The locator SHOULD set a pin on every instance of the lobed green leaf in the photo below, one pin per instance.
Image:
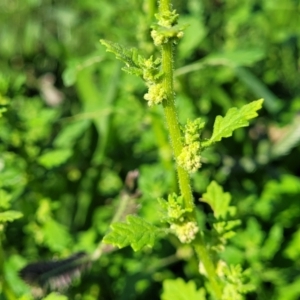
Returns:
(178, 289)
(218, 200)
(136, 232)
(235, 118)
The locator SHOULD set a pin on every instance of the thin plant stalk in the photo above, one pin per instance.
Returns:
(177, 145)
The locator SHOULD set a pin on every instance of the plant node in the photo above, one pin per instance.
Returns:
(190, 156)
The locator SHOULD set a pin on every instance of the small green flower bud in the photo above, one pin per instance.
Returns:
(190, 157)
(156, 94)
(186, 232)
(158, 38)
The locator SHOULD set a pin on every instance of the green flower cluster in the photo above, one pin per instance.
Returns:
(166, 28)
(186, 232)
(190, 158)
(181, 226)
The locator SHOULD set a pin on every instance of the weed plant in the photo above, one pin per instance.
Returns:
(178, 115)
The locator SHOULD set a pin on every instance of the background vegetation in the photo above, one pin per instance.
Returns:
(73, 125)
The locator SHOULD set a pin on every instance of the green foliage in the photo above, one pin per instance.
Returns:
(137, 233)
(56, 236)
(62, 165)
(292, 250)
(235, 286)
(219, 201)
(140, 66)
(173, 209)
(234, 119)
(130, 57)
(55, 296)
(54, 158)
(223, 223)
(9, 216)
(177, 289)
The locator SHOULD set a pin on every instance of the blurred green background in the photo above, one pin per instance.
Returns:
(75, 124)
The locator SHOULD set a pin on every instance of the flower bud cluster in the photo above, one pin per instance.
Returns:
(152, 76)
(186, 231)
(166, 28)
(181, 226)
(190, 157)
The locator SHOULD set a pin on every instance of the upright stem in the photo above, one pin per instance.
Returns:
(172, 121)
(204, 257)
(164, 5)
(177, 145)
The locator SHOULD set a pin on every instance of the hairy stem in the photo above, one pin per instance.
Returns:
(204, 257)
(177, 145)
(172, 121)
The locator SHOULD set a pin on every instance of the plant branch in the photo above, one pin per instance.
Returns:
(177, 145)
(204, 257)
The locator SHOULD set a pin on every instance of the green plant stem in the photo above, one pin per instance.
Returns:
(206, 260)
(177, 145)
(151, 8)
(173, 124)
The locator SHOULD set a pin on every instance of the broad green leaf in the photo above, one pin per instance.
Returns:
(70, 133)
(54, 158)
(235, 118)
(56, 236)
(178, 289)
(218, 200)
(12, 264)
(10, 215)
(136, 232)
